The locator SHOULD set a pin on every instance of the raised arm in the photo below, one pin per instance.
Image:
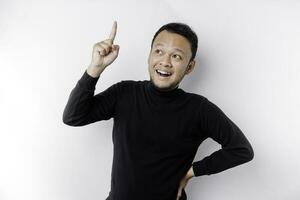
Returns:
(83, 107)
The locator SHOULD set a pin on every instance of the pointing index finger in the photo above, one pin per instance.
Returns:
(113, 32)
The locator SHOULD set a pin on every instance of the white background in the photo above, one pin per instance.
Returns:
(247, 63)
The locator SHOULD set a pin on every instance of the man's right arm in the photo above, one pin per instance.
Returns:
(84, 108)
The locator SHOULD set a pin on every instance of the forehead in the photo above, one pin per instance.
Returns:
(172, 40)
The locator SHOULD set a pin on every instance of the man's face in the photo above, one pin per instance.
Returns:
(170, 54)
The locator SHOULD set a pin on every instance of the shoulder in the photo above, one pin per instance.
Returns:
(128, 82)
(203, 103)
(196, 98)
(128, 86)
(134, 84)
(207, 106)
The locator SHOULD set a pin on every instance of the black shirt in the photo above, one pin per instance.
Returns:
(156, 135)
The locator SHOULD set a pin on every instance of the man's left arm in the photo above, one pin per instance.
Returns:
(236, 148)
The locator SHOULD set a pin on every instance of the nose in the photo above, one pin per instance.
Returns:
(165, 61)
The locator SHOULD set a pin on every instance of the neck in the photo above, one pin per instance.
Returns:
(163, 89)
(164, 92)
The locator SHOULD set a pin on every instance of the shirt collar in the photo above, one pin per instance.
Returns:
(155, 91)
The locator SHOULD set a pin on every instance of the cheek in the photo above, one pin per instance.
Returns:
(150, 60)
(153, 60)
(180, 70)
(150, 57)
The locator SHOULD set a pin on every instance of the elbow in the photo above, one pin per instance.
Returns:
(70, 123)
(250, 154)
(65, 118)
(74, 122)
(66, 121)
(245, 154)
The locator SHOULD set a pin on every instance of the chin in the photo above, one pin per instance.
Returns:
(163, 86)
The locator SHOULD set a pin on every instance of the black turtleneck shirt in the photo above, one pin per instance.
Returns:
(156, 135)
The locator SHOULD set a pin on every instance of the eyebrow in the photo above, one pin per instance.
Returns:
(160, 44)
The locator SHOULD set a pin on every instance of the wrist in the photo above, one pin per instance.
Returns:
(94, 71)
(191, 173)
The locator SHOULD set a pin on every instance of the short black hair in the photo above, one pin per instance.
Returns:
(181, 29)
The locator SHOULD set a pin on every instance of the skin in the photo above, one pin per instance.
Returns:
(104, 53)
(165, 56)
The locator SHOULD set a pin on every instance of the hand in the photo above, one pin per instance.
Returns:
(105, 52)
(184, 182)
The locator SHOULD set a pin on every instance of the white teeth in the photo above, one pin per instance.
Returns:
(163, 72)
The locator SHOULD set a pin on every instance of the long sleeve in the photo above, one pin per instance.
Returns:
(84, 108)
(235, 150)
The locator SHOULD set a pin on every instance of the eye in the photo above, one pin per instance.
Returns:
(177, 56)
(157, 51)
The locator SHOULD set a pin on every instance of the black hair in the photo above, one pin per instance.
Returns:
(181, 29)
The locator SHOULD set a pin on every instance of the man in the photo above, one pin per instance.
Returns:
(158, 127)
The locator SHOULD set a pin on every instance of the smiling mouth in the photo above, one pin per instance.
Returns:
(163, 73)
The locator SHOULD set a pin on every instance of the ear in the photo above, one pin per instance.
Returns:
(190, 67)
